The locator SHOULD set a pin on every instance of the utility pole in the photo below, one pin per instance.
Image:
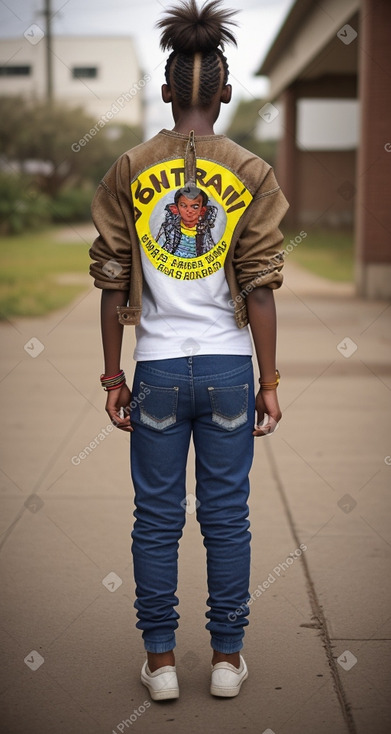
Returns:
(49, 65)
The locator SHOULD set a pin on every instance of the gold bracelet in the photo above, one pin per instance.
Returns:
(270, 385)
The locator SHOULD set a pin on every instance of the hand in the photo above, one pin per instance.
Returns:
(267, 402)
(116, 399)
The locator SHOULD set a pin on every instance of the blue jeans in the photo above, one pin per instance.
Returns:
(211, 396)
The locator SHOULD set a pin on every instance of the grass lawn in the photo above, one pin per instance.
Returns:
(39, 274)
(328, 253)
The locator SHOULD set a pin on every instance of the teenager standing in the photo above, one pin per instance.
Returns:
(194, 372)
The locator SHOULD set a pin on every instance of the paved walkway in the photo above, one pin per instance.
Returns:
(318, 643)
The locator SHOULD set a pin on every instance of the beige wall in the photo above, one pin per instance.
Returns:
(118, 73)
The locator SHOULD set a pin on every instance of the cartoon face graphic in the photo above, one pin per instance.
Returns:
(190, 210)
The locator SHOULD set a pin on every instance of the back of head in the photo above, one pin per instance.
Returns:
(197, 69)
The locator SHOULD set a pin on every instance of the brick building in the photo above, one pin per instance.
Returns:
(339, 50)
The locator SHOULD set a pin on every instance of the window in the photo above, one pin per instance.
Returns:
(327, 124)
(84, 72)
(15, 70)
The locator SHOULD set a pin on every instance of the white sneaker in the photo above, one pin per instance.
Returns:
(226, 679)
(162, 684)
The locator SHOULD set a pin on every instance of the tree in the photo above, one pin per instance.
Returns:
(60, 145)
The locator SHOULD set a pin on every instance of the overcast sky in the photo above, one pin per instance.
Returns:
(259, 22)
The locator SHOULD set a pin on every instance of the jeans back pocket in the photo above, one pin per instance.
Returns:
(229, 406)
(159, 407)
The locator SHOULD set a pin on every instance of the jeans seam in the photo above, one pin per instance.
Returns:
(185, 378)
(223, 375)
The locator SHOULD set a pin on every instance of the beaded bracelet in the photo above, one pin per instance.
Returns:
(113, 382)
(270, 385)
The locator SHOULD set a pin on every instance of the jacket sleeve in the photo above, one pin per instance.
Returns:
(258, 258)
(111, 251)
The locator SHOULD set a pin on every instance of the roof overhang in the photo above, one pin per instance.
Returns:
(307, 46)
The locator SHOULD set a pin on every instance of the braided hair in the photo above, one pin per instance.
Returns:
(196, 68)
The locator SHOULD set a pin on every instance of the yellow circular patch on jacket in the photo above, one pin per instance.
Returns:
(185, 228)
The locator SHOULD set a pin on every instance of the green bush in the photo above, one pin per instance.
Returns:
(22, 207)
(72, 205)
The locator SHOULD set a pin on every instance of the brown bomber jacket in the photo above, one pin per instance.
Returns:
(254, 257)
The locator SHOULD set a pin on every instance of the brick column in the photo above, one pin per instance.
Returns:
(373, 214)
(286, 166)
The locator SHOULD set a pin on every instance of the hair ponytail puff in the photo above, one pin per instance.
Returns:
(188, 30)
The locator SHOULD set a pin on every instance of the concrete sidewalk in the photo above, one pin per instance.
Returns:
(318, 643)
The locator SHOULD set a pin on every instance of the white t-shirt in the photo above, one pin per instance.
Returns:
(184, 318)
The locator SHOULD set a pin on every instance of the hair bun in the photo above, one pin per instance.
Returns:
(188, 30)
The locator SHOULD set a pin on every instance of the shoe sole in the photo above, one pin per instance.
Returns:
(163, 694)
(228, 692)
